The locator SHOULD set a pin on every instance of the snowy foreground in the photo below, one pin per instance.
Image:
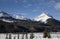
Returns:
(54, 35)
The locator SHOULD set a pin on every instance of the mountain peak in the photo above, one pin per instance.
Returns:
(5, 17)
(21, 17)
(3, 14)
(43, 14)
(43, 17)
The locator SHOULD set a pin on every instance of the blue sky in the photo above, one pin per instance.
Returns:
(31, 8)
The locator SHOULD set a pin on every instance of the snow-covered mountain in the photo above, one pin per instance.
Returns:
(43, 17)
(4, 14)
(21, 23)
(11, 18)
(5, 17)
(21, 17)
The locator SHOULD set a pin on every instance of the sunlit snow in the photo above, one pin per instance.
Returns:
(43, 17)
(36, 36)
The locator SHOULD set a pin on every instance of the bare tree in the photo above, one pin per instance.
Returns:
(18, 36)
(46, 34)
(7, 36)
(10, 36)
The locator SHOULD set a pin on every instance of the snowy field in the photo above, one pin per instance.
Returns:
(36, 36)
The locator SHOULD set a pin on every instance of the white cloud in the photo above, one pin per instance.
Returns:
(16, 1)
(57, 5)
(27, 5)
(21, 13)
(34, 10)
(24, 1)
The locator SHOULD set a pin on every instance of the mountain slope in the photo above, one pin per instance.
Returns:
(21, 17)
(11, 18)
(43, 17)
(21, 24)
(6, 17)
(4, 14)
(53, 22)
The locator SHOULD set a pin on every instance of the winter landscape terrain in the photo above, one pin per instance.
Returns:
(29, 19)
(54, 35)
(11, 25)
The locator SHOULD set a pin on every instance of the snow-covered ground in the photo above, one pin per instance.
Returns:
(55, 35)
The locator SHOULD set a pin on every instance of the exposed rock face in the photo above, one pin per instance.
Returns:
(10, 24)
